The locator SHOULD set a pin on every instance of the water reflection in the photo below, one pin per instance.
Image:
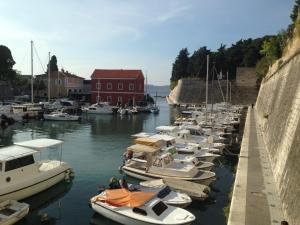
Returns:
(94, 148)
(39, 204)
(101, 220)
(116, 124)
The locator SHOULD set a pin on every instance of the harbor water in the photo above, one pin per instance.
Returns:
(94, 148)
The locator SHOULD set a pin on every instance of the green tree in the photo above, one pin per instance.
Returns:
(53, 64)
(271, 49)
(295, 11)
(262, 68)
(197, 63)
(7, 73)
(180, 67)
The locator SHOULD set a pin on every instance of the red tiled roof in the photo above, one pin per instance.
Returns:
(99, 73)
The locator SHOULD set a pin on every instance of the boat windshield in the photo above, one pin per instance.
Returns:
(157, 163)
(159, 208)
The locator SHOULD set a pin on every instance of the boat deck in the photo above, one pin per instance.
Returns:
(47, 165)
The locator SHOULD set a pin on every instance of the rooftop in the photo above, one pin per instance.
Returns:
(119, 73)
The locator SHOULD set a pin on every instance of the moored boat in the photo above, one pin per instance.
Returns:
(138, 208)
(60, 116)
(24, 175)
(168, 196)
(12, 211)
(155, 166)
(99, 108)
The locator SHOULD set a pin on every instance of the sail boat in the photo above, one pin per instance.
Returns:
(155, 108)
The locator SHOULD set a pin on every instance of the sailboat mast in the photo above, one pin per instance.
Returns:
(49, 69)
(98, 91)
(31, 46)
(227, 89)
(206, 87)
(146, 86)
(230, 92)
(58, 84)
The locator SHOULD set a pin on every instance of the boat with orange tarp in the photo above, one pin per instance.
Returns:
(138, 208)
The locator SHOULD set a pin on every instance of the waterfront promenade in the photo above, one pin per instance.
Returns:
(255, 200)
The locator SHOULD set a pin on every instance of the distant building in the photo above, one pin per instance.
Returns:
(62, 84)
(117, 86)
(87, 89)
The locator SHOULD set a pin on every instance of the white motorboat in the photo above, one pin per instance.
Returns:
(12, 211)
(60, 116)
(168, 196)
(201, 165)
(138, 208)
(155, 110)
(167, 144)
(202, 155)
(162, 166)
(22, 175)
(99, 108)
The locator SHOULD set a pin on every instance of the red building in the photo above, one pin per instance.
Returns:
(123, 86)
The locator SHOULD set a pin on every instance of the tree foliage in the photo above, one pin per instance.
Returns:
(53, 64)
(244, 53)
(271, 49)
(180, 66)
(7, 73)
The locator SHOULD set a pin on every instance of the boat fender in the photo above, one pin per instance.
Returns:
(44, 217)
(67, 175)
(120, 169)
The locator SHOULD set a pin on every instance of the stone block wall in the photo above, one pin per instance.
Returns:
(278, 112)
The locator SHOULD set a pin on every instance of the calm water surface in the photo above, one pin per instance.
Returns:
(94, 148)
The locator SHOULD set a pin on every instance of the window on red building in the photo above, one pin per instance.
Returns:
(120, 86)
(131, 87)
(109, 86)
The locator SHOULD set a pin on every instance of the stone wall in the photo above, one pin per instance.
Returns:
(192, 91)
(278, 112)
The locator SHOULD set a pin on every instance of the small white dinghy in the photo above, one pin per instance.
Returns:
(12, 211)
(138, 208)
(164, 193)
(60, 116)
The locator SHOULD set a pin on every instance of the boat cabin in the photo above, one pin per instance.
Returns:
(167, 129)
(15, 157)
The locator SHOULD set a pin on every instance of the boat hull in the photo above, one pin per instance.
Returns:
(33, 189)
(73, 118)
(146, 176)
(122, 219)
(98, 112)
(18, 215)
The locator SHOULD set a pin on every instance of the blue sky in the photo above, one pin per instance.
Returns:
(131, 34)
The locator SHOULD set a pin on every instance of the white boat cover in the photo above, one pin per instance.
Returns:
(142, 135)
(142, 148)
(167, 128)
(14, 151)
(39, 144)
(163, 137)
